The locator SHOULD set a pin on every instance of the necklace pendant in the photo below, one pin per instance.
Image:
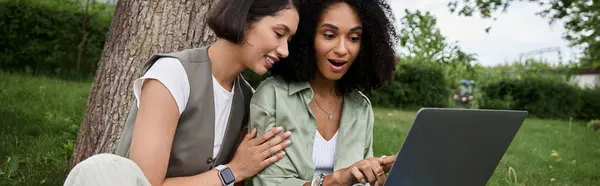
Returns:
(330, 117)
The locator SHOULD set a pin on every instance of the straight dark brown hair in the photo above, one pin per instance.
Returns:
(229, 19)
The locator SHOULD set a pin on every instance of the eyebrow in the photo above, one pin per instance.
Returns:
(337, 28)
(285, 27)
(330, 26)
(357, 28)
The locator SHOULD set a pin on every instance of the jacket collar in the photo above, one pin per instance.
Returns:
(296, 87)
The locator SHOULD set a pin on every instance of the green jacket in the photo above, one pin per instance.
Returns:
(277, 103)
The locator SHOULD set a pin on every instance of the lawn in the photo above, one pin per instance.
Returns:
(40, 118)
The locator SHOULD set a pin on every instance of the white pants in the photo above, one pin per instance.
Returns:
(106, 169)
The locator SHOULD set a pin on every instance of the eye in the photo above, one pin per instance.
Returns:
(279, 36)
(354, 39)
(328, 36)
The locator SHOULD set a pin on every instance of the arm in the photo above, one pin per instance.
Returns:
(153, 135)
(252, 156)
(262, 117)
(282, 172)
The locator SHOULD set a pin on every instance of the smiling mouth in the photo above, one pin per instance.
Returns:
(336, 64)
(270, 60)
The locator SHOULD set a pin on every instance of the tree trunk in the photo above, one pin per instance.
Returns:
(139, 29)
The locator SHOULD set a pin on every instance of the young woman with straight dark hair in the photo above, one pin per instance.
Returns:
(189, 123)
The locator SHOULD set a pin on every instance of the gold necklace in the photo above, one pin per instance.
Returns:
(330, 114)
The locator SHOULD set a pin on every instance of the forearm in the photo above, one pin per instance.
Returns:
(331, 180)
(209, 178)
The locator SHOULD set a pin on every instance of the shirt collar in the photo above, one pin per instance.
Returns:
(297, 87)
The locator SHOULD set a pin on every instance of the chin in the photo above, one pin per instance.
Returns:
(259, 70)
(334, 76)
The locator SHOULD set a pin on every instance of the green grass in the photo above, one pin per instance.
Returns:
(40, 118)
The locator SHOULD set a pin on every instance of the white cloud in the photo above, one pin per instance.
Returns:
(517, 31)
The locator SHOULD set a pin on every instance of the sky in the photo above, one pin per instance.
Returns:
(517, 31)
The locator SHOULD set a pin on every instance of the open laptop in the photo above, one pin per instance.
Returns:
(454, 147)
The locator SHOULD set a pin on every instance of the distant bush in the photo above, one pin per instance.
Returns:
(415, 85)
(43, 36)
(590, 104)
(542, 97)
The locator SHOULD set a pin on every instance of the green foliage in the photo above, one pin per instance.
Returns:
(42, 36)
(253, 78)
(415, 85)
(542, 97)
(420, 36)
(423, 42)
(530, 68)
(590, 107)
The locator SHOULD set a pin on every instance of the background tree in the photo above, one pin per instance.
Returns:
(139, 29)
(423, 42)
(420, 36)
(581, 18)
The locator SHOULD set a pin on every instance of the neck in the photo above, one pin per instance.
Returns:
(225, 62)
(323, 86)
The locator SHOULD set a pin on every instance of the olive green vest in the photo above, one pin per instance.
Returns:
(192, 148)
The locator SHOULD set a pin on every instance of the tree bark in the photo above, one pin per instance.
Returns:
(139, 29)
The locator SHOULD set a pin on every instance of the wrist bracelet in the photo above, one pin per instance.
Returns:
(321, 179)
(318, 181)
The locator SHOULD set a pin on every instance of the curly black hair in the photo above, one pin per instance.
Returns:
(376, 61)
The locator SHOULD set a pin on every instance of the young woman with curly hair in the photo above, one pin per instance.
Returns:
(342, 47)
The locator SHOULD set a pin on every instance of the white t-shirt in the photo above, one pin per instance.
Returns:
(324, 154)
(172, 75)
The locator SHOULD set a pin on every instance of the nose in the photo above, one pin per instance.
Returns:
(340, 47)
(282, 50)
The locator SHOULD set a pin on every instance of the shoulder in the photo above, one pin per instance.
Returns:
(162, 61)
(171, 74)
(361, 105)
(167, 68)
(192, 55)
(273, 81)
(168, 61)
(359, 98)
(268, 90)
(271, 85)
(184, 57)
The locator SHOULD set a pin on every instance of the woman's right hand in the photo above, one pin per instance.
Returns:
(365, 171)
(255, 154)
